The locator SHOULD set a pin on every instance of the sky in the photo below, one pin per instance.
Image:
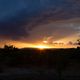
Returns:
(24, 23)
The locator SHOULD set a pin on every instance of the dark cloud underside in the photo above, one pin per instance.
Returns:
(18, 17)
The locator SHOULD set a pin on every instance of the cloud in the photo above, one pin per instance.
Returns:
(19, 17)
(53, 31)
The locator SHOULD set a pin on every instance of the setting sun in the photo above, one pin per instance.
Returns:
(42, 47)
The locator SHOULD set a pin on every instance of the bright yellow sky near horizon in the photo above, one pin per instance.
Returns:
(47, 34)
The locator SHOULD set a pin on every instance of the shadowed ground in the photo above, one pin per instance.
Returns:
(31, 64)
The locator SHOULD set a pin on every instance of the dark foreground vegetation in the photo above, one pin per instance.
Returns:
(35, 64)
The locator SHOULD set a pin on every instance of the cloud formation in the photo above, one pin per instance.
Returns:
(19, 17)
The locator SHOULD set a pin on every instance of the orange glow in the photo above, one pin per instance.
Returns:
(45, 41)
(41, 47)
(42, 44)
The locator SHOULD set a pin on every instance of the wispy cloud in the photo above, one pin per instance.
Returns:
(19, 17)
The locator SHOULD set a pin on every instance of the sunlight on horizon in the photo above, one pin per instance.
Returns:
(42, 47)
(41, 44)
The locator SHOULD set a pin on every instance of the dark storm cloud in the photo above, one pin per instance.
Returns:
(17, 17)
(14, 15)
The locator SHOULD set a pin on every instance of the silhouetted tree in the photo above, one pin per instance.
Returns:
(9, 47)
(78, 43)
